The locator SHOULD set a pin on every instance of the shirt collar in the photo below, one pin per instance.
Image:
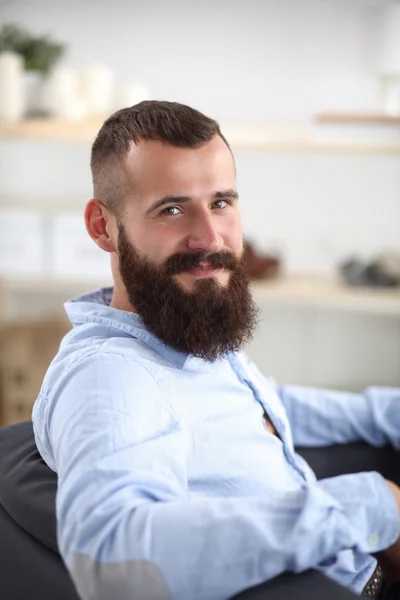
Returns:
(94, 307)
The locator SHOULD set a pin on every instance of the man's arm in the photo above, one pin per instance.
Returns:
(321, 417)
(127, 524)
(325, 417)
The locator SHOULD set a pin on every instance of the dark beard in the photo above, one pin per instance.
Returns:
(207, 322)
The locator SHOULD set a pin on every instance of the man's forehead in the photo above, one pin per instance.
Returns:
(166, 169)
(151, 154)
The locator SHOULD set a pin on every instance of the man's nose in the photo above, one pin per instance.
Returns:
(203, 235)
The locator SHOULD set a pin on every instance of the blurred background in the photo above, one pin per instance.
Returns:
(308, 94)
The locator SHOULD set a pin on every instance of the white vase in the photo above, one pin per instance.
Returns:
(390, 54)
(132, 94)
(33, 89)
(11, 87)
(96, 89)
(62, 98)
(391, 95)
(389, 67)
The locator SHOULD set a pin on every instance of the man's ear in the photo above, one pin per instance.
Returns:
(101, 225)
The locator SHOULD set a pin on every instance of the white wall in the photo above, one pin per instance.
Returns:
(324, 348)
(252, 61)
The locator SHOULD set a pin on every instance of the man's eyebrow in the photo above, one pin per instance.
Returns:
(227, 194)
(182, 199)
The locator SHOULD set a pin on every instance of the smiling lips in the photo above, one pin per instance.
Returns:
(203, 270)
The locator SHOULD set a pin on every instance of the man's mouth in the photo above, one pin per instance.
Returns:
(203, 270)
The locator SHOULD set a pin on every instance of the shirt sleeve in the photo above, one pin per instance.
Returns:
(127, 524)
(325, 417)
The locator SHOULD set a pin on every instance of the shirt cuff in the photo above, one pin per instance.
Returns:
(370, 507)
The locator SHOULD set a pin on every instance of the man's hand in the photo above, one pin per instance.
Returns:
(389, 559)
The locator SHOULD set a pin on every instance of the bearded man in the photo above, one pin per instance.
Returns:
(177, 475)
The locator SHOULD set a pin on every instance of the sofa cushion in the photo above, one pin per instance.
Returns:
(27, 485)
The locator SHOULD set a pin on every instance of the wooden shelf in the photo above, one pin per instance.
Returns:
(53, 285)
(327, 293)
(52, 130)
(321, 292)
(274, 138)
(358, 118)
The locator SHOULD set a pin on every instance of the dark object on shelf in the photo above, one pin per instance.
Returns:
(260, 266)
(374, 274)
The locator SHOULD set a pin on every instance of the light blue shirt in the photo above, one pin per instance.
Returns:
(170, 486)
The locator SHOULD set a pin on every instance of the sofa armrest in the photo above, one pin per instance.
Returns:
(310, 585)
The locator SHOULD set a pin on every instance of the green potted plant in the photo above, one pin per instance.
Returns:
(39, 53)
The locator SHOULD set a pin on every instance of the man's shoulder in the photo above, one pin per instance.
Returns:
(100, 372)
(103, 383)
(103, 360)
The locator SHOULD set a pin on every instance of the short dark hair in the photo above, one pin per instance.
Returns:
(170, 122)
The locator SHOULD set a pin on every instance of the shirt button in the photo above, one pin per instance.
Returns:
(373, 539)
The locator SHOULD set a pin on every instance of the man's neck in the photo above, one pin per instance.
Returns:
(120, 299)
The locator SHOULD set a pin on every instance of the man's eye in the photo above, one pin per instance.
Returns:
(170, 211)
(221, 203)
